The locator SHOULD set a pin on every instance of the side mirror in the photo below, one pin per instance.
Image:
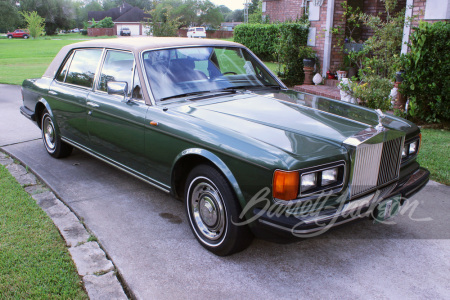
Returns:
(117, 88)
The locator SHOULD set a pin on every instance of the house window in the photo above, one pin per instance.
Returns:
(264, 7)
(437, 10)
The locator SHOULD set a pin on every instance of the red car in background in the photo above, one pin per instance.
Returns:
(18, 33)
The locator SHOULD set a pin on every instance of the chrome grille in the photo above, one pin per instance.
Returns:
(390, 161)
(375, 165)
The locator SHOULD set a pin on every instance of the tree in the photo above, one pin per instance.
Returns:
(57, 13)
(35, 23)
(189, 12)
(236, 15)
(142, 4)
(9, 16)
(253, 7)
(209, 14)
(256, 16)
(224, 10)
(163, 22)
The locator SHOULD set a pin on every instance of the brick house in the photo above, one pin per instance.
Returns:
(329, 14)
(123, 16)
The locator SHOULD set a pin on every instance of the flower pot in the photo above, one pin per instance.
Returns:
(309, 62)
(399, 76)
(341, 74)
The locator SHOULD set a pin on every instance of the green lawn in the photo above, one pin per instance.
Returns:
(21, 59)
(34, 261)
(435, 153)
(273, 66)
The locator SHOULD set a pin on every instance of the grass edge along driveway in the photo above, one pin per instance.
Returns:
(34, 260)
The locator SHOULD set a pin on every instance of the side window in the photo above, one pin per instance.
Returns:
(230, 61)
(62, 74)
(137, 89)
(83, 67)
(118, 66)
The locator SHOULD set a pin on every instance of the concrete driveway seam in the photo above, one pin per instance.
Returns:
(96, 270)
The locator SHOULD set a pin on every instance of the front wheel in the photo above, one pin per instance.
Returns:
(211, 206)
(52, 141)
(9, 36)
(25, 36)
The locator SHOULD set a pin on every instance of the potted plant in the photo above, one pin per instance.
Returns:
(308, 55)
(342, 71)
(309, 60)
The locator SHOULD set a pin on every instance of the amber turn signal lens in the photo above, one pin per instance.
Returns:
(285, 185)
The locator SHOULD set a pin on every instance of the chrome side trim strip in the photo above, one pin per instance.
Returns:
(127, 170)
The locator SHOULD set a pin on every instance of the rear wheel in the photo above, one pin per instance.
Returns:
(52, 141)
(211, 206)
(25, 36)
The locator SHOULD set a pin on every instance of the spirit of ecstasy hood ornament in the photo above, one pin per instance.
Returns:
(381, 116)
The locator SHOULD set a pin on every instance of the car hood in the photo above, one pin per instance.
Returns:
(294, 122)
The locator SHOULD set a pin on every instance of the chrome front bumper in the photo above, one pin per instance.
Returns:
(355, 209)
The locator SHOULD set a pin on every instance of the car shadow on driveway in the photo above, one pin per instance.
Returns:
(145, 233)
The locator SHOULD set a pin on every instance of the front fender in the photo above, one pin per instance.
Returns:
(217, 162)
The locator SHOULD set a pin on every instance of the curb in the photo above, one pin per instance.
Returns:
(98, 273)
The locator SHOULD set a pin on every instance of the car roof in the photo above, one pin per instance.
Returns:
(135, 44)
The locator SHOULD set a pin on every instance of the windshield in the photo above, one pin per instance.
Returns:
(185, 71)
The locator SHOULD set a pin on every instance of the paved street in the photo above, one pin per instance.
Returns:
(145, 233)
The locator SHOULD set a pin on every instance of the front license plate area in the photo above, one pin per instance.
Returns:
(387, 209)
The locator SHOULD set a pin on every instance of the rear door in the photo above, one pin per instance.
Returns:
(68, 93)
(116, 125)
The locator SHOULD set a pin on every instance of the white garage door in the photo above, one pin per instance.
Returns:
(134, 29)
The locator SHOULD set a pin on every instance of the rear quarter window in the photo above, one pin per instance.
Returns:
(83, 66)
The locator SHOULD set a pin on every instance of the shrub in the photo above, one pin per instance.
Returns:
(262, 39)
(280, 42)
(427, 68)
(35, 23)
(378, 61)
(107, 22)
(294, 37)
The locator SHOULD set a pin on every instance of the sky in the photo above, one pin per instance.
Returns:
(231, 4)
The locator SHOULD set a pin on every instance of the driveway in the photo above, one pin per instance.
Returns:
(145, 233)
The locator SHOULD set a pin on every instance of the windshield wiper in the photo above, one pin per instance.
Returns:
(224, 90)
(183, 95)
(229, 90)
(271, 86)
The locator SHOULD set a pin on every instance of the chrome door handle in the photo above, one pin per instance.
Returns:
(52, 93)
(92, 104)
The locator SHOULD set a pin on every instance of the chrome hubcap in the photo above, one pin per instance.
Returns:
(49, 133)
(207, 210)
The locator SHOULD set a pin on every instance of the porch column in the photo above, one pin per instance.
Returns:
(328, 37)
(407, 27)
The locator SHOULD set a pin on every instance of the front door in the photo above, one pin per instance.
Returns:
(116, 124)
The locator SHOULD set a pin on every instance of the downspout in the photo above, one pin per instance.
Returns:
(328, 37)
(407, 27)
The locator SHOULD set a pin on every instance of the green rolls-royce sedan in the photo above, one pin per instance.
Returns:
(206, 121)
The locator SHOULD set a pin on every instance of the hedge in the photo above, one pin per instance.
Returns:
(277, 42)
(262, 39)
(427, 72)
